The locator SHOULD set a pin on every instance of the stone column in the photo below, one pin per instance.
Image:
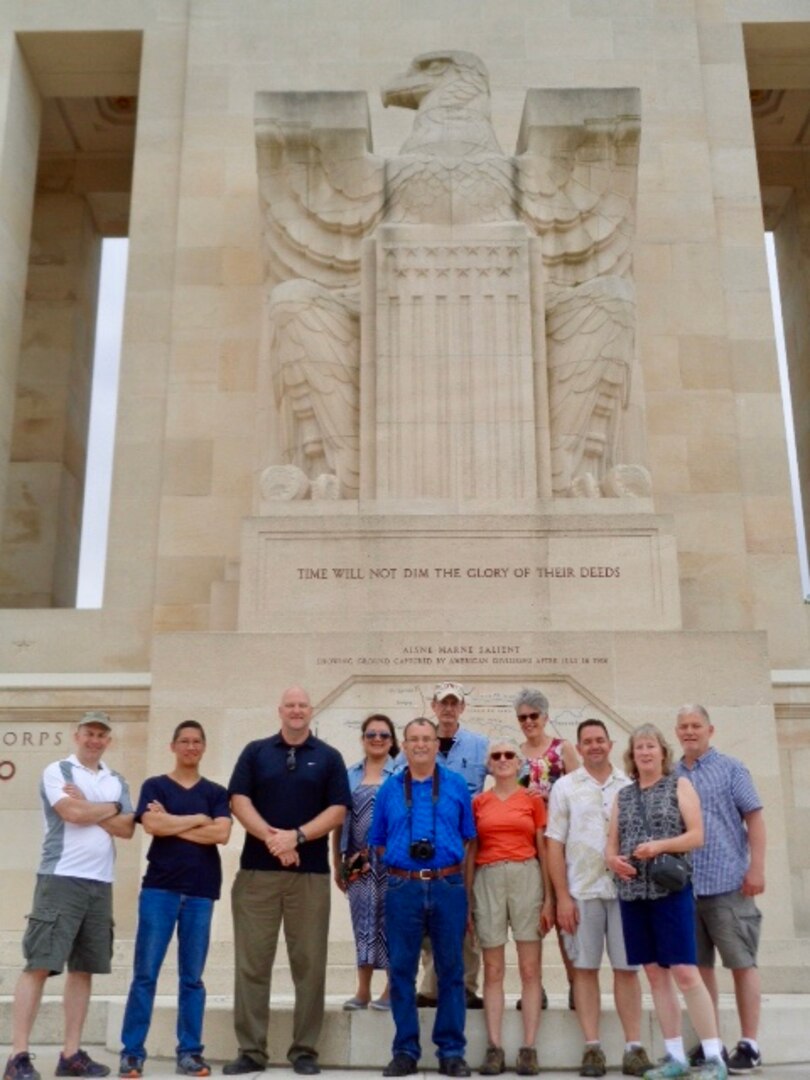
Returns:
(20, 109)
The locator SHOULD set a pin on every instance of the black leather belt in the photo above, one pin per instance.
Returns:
(425, 875)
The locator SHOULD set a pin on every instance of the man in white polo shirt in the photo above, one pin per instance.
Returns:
(587, 908)
(85, 804)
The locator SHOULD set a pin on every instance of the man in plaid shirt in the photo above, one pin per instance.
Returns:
(728, 872)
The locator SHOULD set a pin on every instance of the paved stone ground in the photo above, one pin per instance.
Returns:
(163, 1069)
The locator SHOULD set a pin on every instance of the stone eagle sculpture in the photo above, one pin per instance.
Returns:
(323, 192)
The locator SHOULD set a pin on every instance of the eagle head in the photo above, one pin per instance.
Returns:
(432, 70)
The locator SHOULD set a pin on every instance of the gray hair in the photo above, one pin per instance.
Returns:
(693, 710)
(419, 721)
(505, 744)
(534, 699)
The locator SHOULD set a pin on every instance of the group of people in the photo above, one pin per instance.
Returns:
(658, 863)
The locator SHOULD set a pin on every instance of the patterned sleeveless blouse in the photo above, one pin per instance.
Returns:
(539, 774)
(664, 818)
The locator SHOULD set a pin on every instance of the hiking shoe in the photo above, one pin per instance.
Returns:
(400, 1065)
(494, 1062)
(80, 1064)
(635, 1062)
(131, 1066)
(527, 1064)
(744, 1058)
(454, 1066)
(593, 1062)
(192, 1065)
(668, 1068)
(21, 1067)
(241, 1064)
(697, 1057)
(714, 1069)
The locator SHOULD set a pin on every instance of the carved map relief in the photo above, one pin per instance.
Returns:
(451, 323)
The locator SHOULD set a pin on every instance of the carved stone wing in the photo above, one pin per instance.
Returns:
(575, 176)
(321, 189)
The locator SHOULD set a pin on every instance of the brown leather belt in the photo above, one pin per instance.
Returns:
(425, 875)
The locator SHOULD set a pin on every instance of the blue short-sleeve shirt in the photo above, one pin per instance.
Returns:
(727, 794)
(448, 825)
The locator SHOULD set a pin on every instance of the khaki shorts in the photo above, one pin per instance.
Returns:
(600, 924)
(507, 894)
(730, 923)
(70, 923)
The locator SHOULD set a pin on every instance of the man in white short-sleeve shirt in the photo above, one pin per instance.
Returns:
(85, 805)
(587, 907)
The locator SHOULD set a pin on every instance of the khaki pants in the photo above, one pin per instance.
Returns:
(263, 900)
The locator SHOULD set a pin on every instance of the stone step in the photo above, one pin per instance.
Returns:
(363, 1039)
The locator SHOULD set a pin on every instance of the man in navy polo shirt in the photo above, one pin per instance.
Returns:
(289, 791)
(187, 816)
(422, 824)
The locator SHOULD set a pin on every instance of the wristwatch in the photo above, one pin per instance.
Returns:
(300, 837)
(118, 807)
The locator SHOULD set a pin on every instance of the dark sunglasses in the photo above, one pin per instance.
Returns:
(385, 735)
(507, 755)
(529, 716)
(291, 759)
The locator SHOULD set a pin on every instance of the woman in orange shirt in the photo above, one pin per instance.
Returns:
(508, 884)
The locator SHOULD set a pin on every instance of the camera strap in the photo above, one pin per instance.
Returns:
(407, 783)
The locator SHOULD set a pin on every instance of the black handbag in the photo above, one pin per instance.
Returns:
(669, 872)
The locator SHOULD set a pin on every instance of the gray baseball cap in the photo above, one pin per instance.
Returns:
(96, 716)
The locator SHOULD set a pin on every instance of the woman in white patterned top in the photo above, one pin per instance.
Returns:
(657, 814)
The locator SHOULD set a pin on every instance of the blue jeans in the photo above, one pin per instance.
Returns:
(159, 911)
(439, 909)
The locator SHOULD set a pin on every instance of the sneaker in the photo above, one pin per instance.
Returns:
(494, 1062)
(635, 1062)
(80, 1064)
(400, 1065)
(668, 1068)
(593, 1062)
(697, 1057)
(192, 1065)
(454, 1066)
(714, 1069)
(131, 1066)
(21, 1067)
(240, 1065)
(527, 1064)
(744, 1058)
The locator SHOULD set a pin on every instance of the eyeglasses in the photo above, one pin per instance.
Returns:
(385, 735)
(528, 716)
(507, 755)
(291, 759)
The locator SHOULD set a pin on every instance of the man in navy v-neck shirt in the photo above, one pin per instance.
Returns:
(187, 816)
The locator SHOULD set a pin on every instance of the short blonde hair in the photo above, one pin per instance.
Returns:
(647, 731)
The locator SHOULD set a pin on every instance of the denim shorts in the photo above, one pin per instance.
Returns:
(70, 924)
(660, 931)
(730, 923)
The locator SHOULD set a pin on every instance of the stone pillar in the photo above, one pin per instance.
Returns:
(20, 109)
(40, 554)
